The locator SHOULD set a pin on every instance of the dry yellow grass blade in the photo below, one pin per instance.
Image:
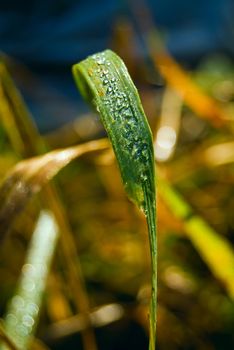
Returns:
(28, 177)
(174, 74)
(27, 142)
(6, 339)
(214, 249)
(202, 104)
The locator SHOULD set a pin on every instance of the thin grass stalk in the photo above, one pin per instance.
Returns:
(9, 122)
(23, 121)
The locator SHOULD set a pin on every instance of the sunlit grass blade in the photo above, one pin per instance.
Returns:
(102, 315)
(202, 104)
(28, 177)
(214, 249)
(105, 83)
(168, 125)
(22, 314)
(8, 120)
(174, 74)
(17, 119)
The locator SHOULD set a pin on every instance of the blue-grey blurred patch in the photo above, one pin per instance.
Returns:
(48, 36)
(195, 28)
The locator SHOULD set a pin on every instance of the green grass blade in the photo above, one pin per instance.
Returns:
(105, 83)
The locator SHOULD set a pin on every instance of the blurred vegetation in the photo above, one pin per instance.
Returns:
(98, 286)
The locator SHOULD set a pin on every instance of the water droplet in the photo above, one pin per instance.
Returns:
(131, 122)
(21, 330)
(18, 302)
(145, 153)
(109, 90)
(11, 319)
(104, 75)
(100, 60)
(118, 102)
(106, 101)
(28, 321)
(32, 309)
(29, 285)
(28, 270)
(127, 113)
(144, 177)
